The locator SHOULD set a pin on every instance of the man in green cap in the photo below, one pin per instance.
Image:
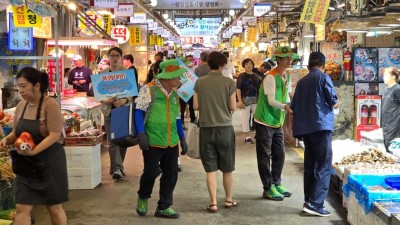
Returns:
(272, 105)
(159, 131)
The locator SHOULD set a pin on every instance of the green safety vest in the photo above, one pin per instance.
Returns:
(267, 114)
(160, 125)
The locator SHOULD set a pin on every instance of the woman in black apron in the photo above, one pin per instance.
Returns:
(41, 172)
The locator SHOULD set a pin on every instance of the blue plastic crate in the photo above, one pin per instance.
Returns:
(393, 182)
(359, 183)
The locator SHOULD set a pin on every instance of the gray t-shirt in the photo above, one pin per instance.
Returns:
(214, 91)
(202, 70)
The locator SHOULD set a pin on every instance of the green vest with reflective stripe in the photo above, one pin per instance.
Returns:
(160, 125)
(270, 115)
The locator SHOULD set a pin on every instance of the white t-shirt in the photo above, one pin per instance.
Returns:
(229, 70)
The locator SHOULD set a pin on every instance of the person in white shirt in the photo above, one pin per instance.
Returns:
(229, 70)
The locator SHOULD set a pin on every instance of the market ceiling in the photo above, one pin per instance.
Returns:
(290, 9)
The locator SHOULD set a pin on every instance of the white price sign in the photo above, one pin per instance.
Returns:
(261, 9)
(121, 33)
(138, 18)
(106, 3)
(124, 10)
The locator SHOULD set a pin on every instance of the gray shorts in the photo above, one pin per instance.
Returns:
(217, 148)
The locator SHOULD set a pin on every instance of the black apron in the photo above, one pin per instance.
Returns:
(42, 178)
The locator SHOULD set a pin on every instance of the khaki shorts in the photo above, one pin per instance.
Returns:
(217, 148)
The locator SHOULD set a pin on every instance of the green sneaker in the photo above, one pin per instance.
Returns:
(141, 206)
(283, 190)
(167, 213)
(273, 194)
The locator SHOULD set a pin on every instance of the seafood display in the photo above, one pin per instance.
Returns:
(388, 57)
(365, 64)
(372, 156)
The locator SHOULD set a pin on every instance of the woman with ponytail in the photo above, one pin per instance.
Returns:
(41, 170)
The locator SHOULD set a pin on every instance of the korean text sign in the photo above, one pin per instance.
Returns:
(188, 79)
(24, 17)
(116, 84)
(315, 11)
(19, 38)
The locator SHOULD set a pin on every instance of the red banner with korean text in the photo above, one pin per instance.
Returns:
(315, 11)
(51, 71)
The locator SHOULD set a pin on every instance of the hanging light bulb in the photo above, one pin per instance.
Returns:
(165, 15)
(242, 1)
(226, 19)
(153, 3)
(232, 12)
(70, 53)
(53, 52)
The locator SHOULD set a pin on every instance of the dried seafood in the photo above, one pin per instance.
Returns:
(372, 156)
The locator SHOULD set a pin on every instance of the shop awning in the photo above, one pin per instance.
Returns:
(80, 41)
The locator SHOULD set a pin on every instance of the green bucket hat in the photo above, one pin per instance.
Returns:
(170, 69)
(284, 51)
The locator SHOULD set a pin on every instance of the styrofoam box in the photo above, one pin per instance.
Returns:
(87, 181)
(83, 157)
(356, 214)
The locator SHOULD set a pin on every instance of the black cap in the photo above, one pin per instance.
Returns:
(317, 55)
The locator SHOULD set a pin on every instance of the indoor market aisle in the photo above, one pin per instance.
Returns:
(114, 202)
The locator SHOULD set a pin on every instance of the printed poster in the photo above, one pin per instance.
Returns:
(118, 84)
(188, 79)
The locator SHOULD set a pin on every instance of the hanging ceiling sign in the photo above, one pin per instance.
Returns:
(150, 24)
(136, 36)
(260, 9)
(107, 23)
(237, 30)
(315, 11)
(209, 12)
(19, 38)
(138, 18)
(94, 16)
(106, 3)
(197, 27)
(124, 9)
(24, 17)
(199, 4)
(43, 31)
(121, 33)
(249, 21)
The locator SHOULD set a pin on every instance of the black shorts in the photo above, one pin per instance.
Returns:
(217, 148)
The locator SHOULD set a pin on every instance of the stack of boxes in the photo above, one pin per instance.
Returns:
(84, 166)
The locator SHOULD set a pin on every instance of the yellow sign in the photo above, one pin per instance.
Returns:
(320, 32)
(315, 11)
(136, 36)
(152, 38)
(94, 16)
(160, 41)
(24, 17)
(107, 23)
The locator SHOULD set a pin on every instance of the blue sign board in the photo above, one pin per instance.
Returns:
(188, 79)
(116, 84)
(19, 38)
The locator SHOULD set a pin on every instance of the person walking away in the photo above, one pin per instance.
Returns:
(127, 61)
(270, 117)
(80, 76)
(313, 122)
(229, 70)
(247, 86)
(155, 67)
(214, 97)
(203, 68)
(41, 172)
(158, 137)
(391, 106)
(117, 153)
